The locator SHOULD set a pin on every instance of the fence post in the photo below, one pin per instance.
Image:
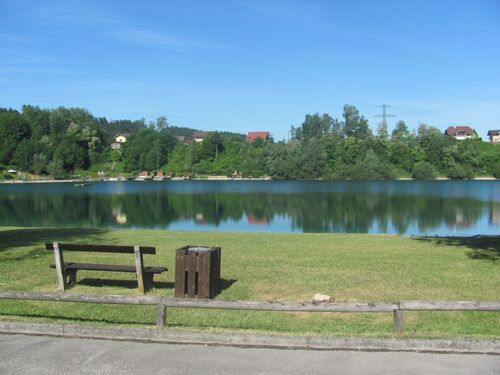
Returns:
(398, 321)
(139, 268)
(161, 314)
(59, 260)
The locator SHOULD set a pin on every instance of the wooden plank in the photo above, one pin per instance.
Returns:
(282, 306)
(212, 272)
(180, 271)
(215, 287)
(398, 322)
(232, 305)
(59, 260)
(109, 267)
(203, 262)
(191, 270)
(219, 258)
(70, 297)
(155, 270)
(101, 248)
(139, 264)
(451, 305)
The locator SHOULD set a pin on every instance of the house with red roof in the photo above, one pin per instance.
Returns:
(252, 136)
(461, 132)
(199, 136)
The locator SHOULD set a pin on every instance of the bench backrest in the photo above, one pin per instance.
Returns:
(101, 248)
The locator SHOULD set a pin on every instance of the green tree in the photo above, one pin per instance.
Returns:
(458, 172)
(211, 146)
(400, 131)
(38, 119)
(355, 125)
(13, 131)
(496, 170)
(382, 131)
(71, 155)
(312, 161)
(316, 125)
(23, 156)
(56, 169)
(147, 149)
(161, 123)
(40, 163)
(424, 171)
(433, 142)
(278, 161)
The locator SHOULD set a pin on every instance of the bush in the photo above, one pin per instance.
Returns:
(496, 170)
(424, 171)
(457, 172)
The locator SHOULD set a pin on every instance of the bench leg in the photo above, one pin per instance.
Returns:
(71, 278)
(148, 281)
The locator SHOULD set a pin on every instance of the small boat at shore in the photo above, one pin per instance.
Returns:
(82, 184)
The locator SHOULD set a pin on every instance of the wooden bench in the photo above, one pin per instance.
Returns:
(66, 272)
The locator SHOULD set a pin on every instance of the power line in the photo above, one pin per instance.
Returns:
(384, 114)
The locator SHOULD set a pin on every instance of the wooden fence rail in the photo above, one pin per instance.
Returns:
(162, 303)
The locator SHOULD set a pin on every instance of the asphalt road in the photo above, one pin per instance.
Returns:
(50, 355)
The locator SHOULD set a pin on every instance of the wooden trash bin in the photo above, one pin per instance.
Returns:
(197, 271)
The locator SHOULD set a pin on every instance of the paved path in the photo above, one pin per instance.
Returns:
(51, 355)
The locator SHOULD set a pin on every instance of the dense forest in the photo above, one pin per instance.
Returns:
(65, 142)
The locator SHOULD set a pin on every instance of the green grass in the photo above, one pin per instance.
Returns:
(269, 266)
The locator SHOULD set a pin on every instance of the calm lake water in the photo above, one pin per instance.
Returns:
(396, 207)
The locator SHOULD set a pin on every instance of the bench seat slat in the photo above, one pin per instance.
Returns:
(108, 267)
(122, 249)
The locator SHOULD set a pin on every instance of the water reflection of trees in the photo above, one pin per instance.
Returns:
(309, 212)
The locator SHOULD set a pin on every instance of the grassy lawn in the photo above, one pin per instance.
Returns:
(269, 266)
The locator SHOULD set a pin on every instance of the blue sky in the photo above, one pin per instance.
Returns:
(242, 65)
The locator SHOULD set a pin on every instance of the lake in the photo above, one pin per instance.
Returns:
(393, 207)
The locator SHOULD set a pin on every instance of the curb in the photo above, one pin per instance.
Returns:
(169, 336)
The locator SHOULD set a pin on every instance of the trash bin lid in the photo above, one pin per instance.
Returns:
(198, 249)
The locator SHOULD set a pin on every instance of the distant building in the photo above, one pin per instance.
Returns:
(118, 140)
(494, 136)
(180, 138)
(199, 136)
(461, 132)
(121, 138)
(252, 136)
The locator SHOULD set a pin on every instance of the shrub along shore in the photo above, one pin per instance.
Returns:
(269, 266)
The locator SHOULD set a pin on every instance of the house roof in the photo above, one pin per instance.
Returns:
(200, 135)
(493, 132)
(254, 135)
(453, 130)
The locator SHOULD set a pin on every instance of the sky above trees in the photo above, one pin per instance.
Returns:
(244, 65)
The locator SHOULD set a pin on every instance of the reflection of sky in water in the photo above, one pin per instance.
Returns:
(461, 208)
(277, 224)
(284, 224)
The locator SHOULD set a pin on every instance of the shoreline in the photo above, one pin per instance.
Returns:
(219, 178)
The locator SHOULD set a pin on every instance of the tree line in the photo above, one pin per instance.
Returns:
(65, 142)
